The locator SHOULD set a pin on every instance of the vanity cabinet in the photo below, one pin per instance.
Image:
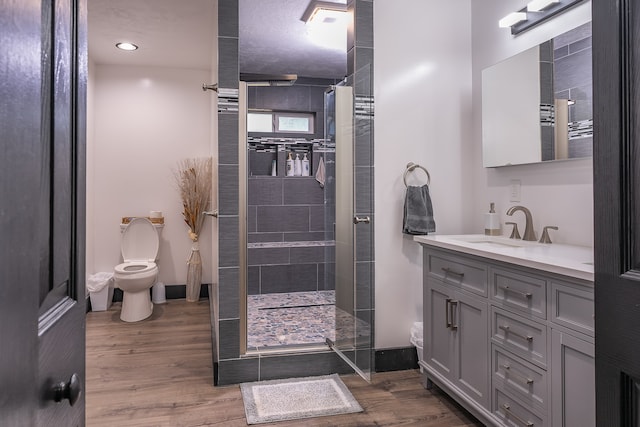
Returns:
(514, 345)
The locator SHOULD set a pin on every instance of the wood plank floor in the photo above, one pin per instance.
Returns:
(159, 373)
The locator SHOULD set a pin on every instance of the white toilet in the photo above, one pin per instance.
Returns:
(138, 273)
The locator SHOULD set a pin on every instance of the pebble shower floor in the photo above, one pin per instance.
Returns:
(296, 318)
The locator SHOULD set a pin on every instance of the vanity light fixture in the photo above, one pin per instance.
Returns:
(539, 5)
(512, 19)
(323, 11)
(126, 46)
(541, 11)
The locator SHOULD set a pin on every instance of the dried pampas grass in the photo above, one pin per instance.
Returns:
(194, 180)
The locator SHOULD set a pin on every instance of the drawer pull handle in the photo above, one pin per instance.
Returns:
(526, 295)
(453, 306)
(507, 328)
(450, 312)
(522, 377)
(447, 270)
(509, 414)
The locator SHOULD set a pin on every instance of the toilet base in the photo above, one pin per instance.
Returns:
(136, 306)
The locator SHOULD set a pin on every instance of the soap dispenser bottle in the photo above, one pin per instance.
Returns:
(289, 165)
(305, 166)
(297, 166)
(492, 222)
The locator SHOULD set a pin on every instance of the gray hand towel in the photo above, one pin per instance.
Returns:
(320, 173)
(418, 211)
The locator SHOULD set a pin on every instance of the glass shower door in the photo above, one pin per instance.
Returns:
(354, 253)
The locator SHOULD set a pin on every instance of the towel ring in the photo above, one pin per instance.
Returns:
(410, 168)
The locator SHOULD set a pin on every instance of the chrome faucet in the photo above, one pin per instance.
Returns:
(529, 233)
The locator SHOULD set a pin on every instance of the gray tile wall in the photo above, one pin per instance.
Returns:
(573, 80)
(547, 97)
(289, 209)
(286, 208)
(565, 73)
(228, 305)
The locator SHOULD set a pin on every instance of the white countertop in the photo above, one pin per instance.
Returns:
(568, 260)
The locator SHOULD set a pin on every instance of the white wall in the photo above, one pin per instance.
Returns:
(429, 56)
(145, 121)
(557, 193)
(423, 115)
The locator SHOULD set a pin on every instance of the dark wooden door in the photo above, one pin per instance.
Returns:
(42, 129)
(616, 55)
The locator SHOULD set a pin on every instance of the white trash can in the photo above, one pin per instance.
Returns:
(417, 339)
(100, 287)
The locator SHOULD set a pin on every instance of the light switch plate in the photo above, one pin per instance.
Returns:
(514, 190)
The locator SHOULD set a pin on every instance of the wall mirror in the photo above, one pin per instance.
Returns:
(537, 105)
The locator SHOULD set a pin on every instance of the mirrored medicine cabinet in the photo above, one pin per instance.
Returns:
(537, 105)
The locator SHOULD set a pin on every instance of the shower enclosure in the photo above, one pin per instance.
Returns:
(306, 241)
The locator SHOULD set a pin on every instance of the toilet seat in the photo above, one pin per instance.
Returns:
(134, 267)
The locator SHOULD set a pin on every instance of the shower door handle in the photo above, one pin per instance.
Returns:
(213, 213)
(358, 219)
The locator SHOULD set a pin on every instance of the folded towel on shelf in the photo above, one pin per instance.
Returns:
(320, 173)
(418, 211)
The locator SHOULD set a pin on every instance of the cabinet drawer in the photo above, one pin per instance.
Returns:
(513, 413)
(519, 378)
(523, 293)
(457, 271)
(572, 307)
(521, 336)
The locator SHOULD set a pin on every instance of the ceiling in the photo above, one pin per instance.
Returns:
(182, 33)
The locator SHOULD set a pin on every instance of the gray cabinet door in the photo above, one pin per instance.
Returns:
(438, 338)
(573, 376)
(457, 339)
(471, 332)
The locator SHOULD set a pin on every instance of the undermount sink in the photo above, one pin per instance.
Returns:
(490, 241)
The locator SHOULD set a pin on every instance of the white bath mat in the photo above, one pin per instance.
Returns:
(296, 398)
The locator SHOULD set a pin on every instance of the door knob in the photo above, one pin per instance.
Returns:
(213, 213)
(358, 219)
(70, 390)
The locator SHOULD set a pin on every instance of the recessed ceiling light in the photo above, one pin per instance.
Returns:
(327, 24)
(126, 46)
(324, 11)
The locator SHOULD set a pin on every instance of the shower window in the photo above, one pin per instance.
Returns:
(280, 122)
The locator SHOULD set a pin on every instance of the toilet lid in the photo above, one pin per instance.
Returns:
(140, 241)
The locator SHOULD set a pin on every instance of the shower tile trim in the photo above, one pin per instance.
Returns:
(227, 100)
(301, 244)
